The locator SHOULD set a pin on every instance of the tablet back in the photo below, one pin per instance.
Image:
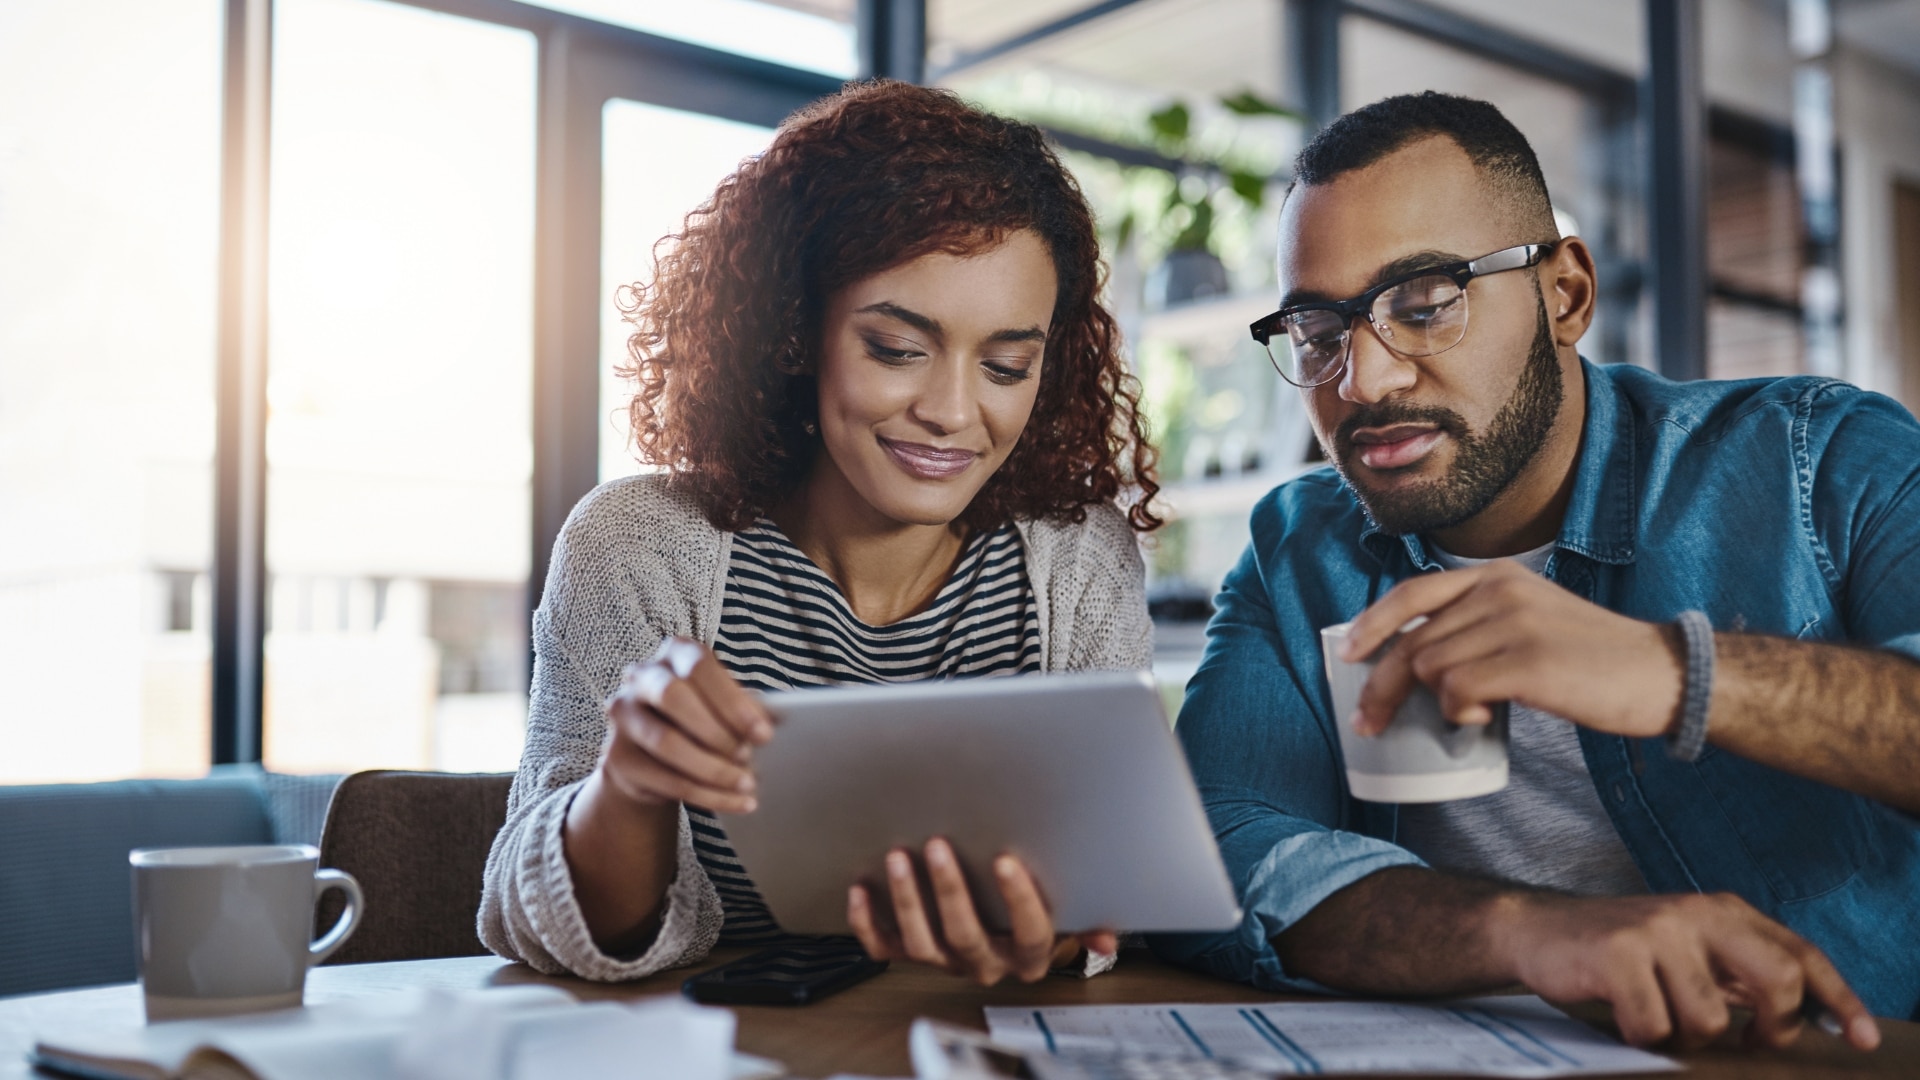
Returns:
(1078, 775)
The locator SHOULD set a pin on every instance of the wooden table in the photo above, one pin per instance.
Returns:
(864, 1029)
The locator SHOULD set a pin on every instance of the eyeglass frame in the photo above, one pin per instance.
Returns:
(1460, 272)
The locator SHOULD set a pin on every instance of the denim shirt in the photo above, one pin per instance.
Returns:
(1779, 506)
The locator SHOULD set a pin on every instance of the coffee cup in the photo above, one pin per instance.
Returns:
(1421, 757)
(226, 930)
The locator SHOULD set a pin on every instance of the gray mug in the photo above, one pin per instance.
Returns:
(1421, 757)
(225, 930)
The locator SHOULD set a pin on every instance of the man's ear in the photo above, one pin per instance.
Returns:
(1568, 285)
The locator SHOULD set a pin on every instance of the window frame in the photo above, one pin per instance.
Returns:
(581, 64)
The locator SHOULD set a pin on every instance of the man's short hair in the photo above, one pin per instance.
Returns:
(1490, 140)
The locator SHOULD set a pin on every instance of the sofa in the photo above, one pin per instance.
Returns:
(66, 898)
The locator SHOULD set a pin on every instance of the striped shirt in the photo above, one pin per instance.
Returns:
(784, 623)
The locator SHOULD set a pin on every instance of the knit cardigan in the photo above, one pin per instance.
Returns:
(636, 563)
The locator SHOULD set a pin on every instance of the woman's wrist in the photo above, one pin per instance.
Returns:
(621, 855)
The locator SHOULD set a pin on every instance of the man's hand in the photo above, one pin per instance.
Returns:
(1671, 966)
(1499, 632)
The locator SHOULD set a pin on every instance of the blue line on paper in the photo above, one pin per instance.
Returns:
(1487, 1027)
(1280, 1041)
(1182, 1021)
(1045, 1031)
(1280, 1047)
(1528, 1035)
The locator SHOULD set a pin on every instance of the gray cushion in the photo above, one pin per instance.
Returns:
(297, 805)
(66, 898)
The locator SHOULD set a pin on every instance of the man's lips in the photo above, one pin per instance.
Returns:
(929, 462)
(1397, 446)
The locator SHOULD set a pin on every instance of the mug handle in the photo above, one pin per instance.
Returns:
(349, 919)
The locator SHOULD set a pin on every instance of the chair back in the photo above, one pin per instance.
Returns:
(418, 843)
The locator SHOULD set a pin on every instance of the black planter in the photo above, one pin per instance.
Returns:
(1185, 276)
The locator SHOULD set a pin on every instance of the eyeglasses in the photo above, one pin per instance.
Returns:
(1423, 313)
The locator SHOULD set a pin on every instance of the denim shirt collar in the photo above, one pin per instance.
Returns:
(1602, 514)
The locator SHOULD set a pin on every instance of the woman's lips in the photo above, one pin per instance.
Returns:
(1395, 448)
(929, 462)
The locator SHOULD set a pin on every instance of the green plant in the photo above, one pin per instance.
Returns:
(1190, 203)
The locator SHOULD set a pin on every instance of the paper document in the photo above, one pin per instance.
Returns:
(1490, 1036)
(502, 1033)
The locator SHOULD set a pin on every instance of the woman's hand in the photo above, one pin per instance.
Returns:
(681, 730)
(960, 944)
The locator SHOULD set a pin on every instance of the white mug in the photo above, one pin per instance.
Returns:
(225, 930)
(1421, 757)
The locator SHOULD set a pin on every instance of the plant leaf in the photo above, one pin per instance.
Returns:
(1172, 122)
(1198, 234)
(1247, 103)
(1251, 187)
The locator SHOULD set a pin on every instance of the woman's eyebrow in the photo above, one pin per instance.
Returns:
(922, 323)
(1031, 333)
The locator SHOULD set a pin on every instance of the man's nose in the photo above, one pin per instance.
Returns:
(1374, 372)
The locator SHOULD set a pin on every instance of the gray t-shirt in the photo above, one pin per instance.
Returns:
(1546, 827)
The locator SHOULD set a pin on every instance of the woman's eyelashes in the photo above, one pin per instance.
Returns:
(1008, 374)
(1002, 371)
(890, 355)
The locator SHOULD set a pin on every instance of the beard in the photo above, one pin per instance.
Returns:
(1484, 465)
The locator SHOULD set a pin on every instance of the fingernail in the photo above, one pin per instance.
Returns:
(1004, 867)
(763, 731)
(1358, 722)
(750, 806)
(746, 782)
(1866, 1032)
(897, 865)
(938, 855)
(856, 897)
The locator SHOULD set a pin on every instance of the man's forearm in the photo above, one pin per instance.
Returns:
(1842, 715)
(1405, 930)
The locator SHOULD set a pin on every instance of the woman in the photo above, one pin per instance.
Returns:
(893, 421)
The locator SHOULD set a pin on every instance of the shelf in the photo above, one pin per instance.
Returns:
(1215, 320)
(1225, 495)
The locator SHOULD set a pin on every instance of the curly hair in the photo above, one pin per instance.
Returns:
(728, 331)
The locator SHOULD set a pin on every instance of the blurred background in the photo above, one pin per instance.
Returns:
(307, 323)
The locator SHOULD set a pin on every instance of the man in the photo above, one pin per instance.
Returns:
(1579, 513)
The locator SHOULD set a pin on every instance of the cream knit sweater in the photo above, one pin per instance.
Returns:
(636, 563)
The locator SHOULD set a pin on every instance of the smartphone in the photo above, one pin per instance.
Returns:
(785, 975)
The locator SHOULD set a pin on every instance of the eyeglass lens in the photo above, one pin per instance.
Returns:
(1420, 317)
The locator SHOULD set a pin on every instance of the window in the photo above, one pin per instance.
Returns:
(645, 196)
(109, 200)
(814, 35)
(1755, 237)
(399, 445)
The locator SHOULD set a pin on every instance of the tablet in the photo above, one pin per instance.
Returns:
(1078, 775)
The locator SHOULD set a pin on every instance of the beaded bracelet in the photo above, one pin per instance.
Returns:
(1690, 737)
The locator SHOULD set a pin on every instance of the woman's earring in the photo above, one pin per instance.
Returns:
(810, 428)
